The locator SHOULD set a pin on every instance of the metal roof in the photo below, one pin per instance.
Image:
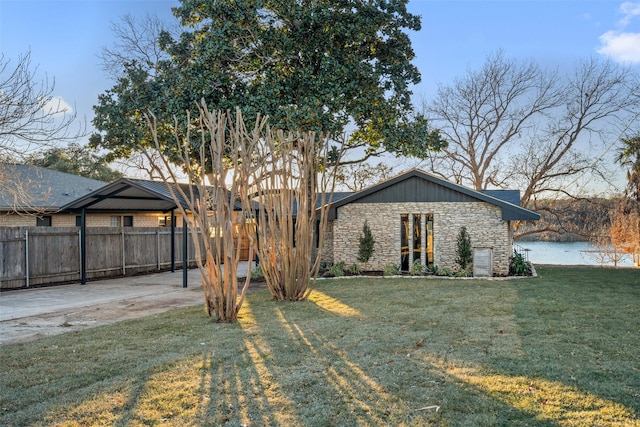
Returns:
(419, 186)
(44, 188)
(139, 195)
(511, 196)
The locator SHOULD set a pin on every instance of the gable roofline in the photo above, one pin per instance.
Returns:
(111, 191)
(148, 191)
(510, 211)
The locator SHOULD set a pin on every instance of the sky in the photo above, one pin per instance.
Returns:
(65, 37)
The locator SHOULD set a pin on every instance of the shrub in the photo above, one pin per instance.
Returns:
(366, 249)
(465, 272)
(325, 265)
(417, 269)
(518, 265)
(391, 270)
(464, 251)
(337, 269)
(256, 272)
(355, 269)
(444, 272)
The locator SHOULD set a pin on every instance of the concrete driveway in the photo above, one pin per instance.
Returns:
(28, 314)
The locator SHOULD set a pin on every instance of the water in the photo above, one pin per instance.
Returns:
(565, 253)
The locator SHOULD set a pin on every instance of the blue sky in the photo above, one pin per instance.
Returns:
(66, 36)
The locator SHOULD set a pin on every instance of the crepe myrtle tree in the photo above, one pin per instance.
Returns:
(295, 175)
(248, 179)
(216, 202)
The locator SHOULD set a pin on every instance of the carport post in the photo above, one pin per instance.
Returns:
(83, 246)
(185, 256)
(173, 241)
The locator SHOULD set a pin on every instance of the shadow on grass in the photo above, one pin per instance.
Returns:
(558, 350)
(293, 371)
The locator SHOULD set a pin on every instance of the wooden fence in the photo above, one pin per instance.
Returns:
(31, 256)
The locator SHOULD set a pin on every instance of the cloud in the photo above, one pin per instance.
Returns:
(620, 45)
(56, 106)
(629, 10)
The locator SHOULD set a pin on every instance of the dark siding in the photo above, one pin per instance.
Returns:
(415, 189)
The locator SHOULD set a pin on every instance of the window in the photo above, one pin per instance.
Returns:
(164, 221)
(121, 221)
(416, 236)
(43, 221)
(429, 244)
(78, 221)
(404, 242)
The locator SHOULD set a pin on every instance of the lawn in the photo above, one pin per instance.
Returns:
(562, 349)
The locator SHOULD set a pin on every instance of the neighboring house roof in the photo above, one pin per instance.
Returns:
(42, 189)
(419, 186)
(139, 195)
(335, 196)
(511, 196)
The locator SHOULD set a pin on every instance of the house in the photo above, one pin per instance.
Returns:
(130, 226)
(31, 195)
(34, 196)
(417, 216)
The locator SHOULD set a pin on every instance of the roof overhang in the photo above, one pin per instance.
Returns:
(126, 195)
(510, 211)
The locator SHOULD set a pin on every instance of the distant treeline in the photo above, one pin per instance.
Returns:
(567, 220)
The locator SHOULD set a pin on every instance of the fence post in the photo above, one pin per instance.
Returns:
(185, 253)
(158, 247)
(83, 246)
(124, 266)
(80, 253)
(26, 256)
(173, 241)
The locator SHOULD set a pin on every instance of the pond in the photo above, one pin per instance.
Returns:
(565, 253)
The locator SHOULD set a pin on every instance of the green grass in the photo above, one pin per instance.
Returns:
(562, 349)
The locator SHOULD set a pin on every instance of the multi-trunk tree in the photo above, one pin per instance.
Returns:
(216, 201)
(295, 179)
(254, 181)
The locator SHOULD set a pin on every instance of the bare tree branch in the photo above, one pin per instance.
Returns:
(30, 114)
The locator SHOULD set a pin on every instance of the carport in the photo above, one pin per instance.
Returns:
(131, 195)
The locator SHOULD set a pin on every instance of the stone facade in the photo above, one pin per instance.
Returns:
(482, 220)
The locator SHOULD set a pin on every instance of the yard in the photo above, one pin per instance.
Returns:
(560, 349)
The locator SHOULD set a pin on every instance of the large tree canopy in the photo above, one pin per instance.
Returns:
(309, 65)
(75, 159)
